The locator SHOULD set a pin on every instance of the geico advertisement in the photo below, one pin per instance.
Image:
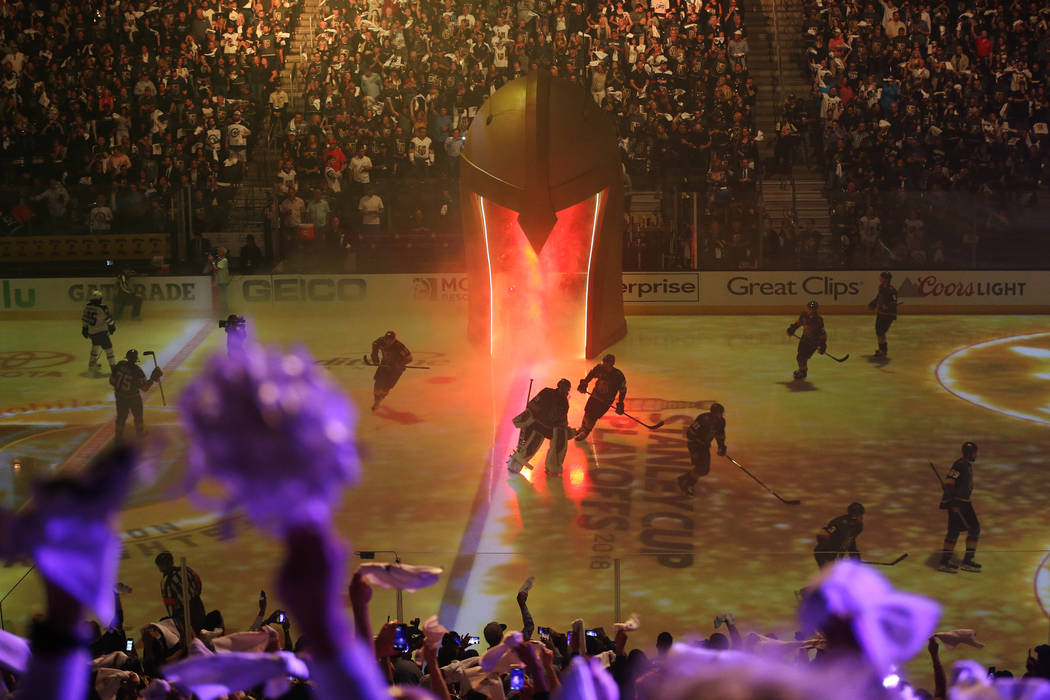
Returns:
(650, 287)
(300, 288)
(388, 289)
(920, 287)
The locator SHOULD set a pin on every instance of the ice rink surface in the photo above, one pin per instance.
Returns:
(613, 531)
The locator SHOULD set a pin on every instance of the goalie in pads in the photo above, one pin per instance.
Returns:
(545, 417)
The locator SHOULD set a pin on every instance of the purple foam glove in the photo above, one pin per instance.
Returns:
(14, 652)
(891, 627)
(68, 530)
(275, 431)
(587, 680)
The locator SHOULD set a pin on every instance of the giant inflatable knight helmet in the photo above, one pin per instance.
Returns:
(541, 184)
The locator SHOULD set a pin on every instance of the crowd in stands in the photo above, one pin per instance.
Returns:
(928, 120)
(107, 109)
(391, 89)
(855, 630)
(930, 124)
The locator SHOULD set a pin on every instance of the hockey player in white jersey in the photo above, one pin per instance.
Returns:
(98, 325)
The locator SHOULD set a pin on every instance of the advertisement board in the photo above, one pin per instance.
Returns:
(925, 290)
(181, 295)
(743, 291)
(661, 287)
(420, 291)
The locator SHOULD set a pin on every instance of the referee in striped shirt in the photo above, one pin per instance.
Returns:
(171, 591)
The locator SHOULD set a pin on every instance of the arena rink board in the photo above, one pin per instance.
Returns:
(435, 489)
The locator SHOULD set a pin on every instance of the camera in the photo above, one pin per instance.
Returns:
(282, 618)
(544, 631)
(129, 645)
(517, 678)
(473, 640)
(232, 322)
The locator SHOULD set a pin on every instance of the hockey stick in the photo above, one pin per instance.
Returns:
(369, 363)
(937, 474)
(163, 401)
(654, 426)
(828, 354)
(896, 561)
(794, 502)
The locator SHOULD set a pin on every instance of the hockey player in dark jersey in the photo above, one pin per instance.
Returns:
(957, 488)
(610, 385)
(704, 428)
(814, 337)
(395, 356)
(838, 539)
(545, 417)
(885, 306)
(97, 324)
(128, 381)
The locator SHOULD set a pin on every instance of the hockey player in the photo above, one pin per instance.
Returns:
(128, 381)
(704, 428)
(610, 384)
(814, 338)
(546, 416)
(885, 306)
(838, 539)
(958, 485)
(395, 356)
(98, 325)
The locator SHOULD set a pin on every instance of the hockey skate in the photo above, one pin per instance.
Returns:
(800, 373)
(515, 465)
(548, 472)
(880, 353)
(948, 566)
(684, 486)
(968, 564)
(582, 434)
